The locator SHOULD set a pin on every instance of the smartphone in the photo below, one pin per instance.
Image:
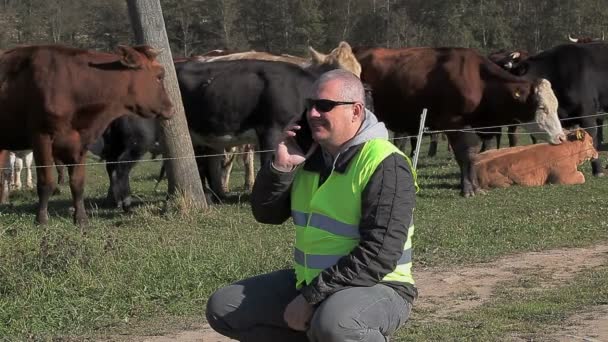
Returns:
(304, 135)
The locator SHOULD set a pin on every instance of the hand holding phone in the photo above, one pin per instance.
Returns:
(289, 154)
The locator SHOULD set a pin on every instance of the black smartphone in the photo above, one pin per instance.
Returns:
(304, 135)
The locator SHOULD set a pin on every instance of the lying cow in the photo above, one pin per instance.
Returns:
(535, 165)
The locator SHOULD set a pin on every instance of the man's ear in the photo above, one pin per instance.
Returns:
(358, 112)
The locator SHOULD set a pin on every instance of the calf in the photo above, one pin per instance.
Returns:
(536, 165)
(58, 100)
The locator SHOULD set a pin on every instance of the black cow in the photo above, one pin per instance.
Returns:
(123, 143)
(579, 75)
(270, 97)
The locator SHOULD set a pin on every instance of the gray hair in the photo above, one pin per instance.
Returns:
(352, 88)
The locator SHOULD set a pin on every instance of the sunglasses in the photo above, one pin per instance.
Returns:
(324, 105)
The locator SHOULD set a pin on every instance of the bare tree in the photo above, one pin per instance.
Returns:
(147, 21)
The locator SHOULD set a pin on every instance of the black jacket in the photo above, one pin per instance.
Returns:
(387, 204)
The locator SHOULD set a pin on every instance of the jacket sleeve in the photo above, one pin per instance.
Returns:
(270, 197)
(387, 202)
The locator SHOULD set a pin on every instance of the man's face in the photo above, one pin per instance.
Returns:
(332, 128)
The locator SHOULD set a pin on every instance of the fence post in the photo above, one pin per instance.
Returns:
(419, 142)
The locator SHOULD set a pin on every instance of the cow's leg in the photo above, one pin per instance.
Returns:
(112, 198)
(600, 131)
(77, 176)
(485, 142)
(210, 171)
(213, 172)
(413, 143)
(45, 184)
(227, 164)
(17, 168)
(161, 174)
(512, 136)
(433, 145)
(5, 176)
(29, 158)
(248, 162)
(400, 141)
(60, 172)
(498, 137)
(464, 145)
(569, 175)
(123, 170)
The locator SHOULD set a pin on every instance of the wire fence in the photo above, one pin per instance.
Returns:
(476, 130)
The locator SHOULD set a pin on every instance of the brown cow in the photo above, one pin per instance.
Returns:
(461, 89)
(58, 100)
(536, 165)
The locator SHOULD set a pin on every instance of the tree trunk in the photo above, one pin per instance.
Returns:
(147, 21)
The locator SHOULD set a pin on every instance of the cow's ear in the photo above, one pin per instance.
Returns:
(580, 134)
(128, 57)
(344, 47)
(148, 51)
(517, 93)
(317, 57)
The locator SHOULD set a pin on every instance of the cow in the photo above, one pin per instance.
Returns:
(506, 59)
(536, 165)
(58, 100)
(122, 144)
(270, 96)
(461, 89)
(579, 74)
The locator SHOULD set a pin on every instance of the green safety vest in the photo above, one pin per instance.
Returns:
(327, 217)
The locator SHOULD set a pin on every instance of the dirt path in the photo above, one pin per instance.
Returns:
(445, 291)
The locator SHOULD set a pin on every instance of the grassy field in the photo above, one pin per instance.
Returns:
(133, 270)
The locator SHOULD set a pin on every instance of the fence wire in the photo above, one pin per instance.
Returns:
(477, 130)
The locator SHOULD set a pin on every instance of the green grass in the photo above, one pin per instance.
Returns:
(140, 267)
(516, 312)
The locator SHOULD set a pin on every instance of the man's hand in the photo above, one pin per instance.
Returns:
(288, 154)
(298, 314)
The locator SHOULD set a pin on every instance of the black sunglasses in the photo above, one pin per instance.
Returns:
(324, 105)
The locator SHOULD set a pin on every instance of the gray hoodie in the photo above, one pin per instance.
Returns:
(371, 128)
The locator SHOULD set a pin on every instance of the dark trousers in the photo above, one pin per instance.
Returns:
(252, 310)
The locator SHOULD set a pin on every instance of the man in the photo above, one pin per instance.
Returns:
(352, 202)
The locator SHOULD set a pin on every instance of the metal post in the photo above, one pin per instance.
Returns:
(420, 132)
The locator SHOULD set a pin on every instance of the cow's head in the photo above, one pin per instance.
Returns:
(508, 59)
(341, 57)
(584, 40)
(542, 99)
(584, 142)
(147, 90)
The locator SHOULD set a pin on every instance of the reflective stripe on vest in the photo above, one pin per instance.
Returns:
(327, 226)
